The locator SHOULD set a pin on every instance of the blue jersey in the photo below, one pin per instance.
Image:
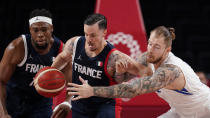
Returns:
(92, 69)
(31, 64)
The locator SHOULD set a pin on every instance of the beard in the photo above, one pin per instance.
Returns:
(153, 60)
(42, 47)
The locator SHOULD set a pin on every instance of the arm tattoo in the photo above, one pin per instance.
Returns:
(142, 59)
(71, 46)
(112, 59)
(119, 78)
(162, 77)
(111, 63)
(123, 77)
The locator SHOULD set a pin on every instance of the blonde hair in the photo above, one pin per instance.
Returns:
(167, 33)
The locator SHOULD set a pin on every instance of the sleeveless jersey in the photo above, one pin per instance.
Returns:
(92, 69)
(30, 65)
(194, 99)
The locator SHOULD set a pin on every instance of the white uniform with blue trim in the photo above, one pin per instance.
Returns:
(191, 102)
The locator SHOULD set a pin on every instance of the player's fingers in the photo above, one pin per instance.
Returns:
(63, 114)
(56, 113)
(73, 85)
(73, 93)
(82, 80)
(76, 98)
(72, 89)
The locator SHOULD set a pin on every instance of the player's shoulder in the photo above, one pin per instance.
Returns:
(16, 44)
(14, 52)
(73, 39)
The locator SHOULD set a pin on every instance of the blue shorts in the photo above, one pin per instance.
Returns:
(20, 106)
(105, 110)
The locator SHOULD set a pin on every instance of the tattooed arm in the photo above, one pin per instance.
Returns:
(63, 62)
(119, 65)
(65, 56)
(161, 78)
(143, 66)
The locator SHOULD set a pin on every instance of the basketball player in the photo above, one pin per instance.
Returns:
(94, 59)
(22, 59)
(173, 80)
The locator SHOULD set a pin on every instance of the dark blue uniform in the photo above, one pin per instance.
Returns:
(94, 70)
(22, 99)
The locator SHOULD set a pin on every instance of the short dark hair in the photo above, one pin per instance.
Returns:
(40, 12)
(96, 18)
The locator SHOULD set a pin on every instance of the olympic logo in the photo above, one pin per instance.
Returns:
(125, 39)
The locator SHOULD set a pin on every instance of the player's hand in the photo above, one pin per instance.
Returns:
(122, 65)
(61, 111)
(80, 91)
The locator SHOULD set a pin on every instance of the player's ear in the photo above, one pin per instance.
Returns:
(168, 49)
(105, 32)
(52, 28)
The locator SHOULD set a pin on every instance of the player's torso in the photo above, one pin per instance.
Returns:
(92, 69)
(194, 94)
(31, 64)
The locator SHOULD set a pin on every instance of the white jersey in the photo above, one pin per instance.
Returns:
(191, 102)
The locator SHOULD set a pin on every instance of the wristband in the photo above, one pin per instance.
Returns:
(63, 103)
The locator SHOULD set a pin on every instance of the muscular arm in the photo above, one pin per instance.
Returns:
(63, 61)
(114, 67)
(13, 55)
(143, 66)
(162, 77)
(65, 56)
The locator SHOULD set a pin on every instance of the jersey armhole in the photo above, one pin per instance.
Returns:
(111, 80)
(74, 49)
(26, 51)
(60, 47)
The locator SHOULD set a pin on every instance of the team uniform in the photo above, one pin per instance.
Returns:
(193, 101)
(93, 70)
(22, 100)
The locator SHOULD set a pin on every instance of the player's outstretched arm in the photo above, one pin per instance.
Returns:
(65, 56)
(162, 77)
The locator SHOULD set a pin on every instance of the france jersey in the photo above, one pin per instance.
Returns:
(19, 84)
(94, 70)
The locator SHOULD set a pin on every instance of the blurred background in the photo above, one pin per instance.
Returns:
(190, 18)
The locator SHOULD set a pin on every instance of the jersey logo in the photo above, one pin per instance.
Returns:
(87, 71)
(79, 58)
(30, 57)
(33, 68)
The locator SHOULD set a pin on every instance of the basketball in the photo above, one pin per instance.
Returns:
(49, 82)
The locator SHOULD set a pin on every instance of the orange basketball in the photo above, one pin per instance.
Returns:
(49, 81)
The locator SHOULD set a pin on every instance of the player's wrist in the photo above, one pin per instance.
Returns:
(66, 103)
(92, 91)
